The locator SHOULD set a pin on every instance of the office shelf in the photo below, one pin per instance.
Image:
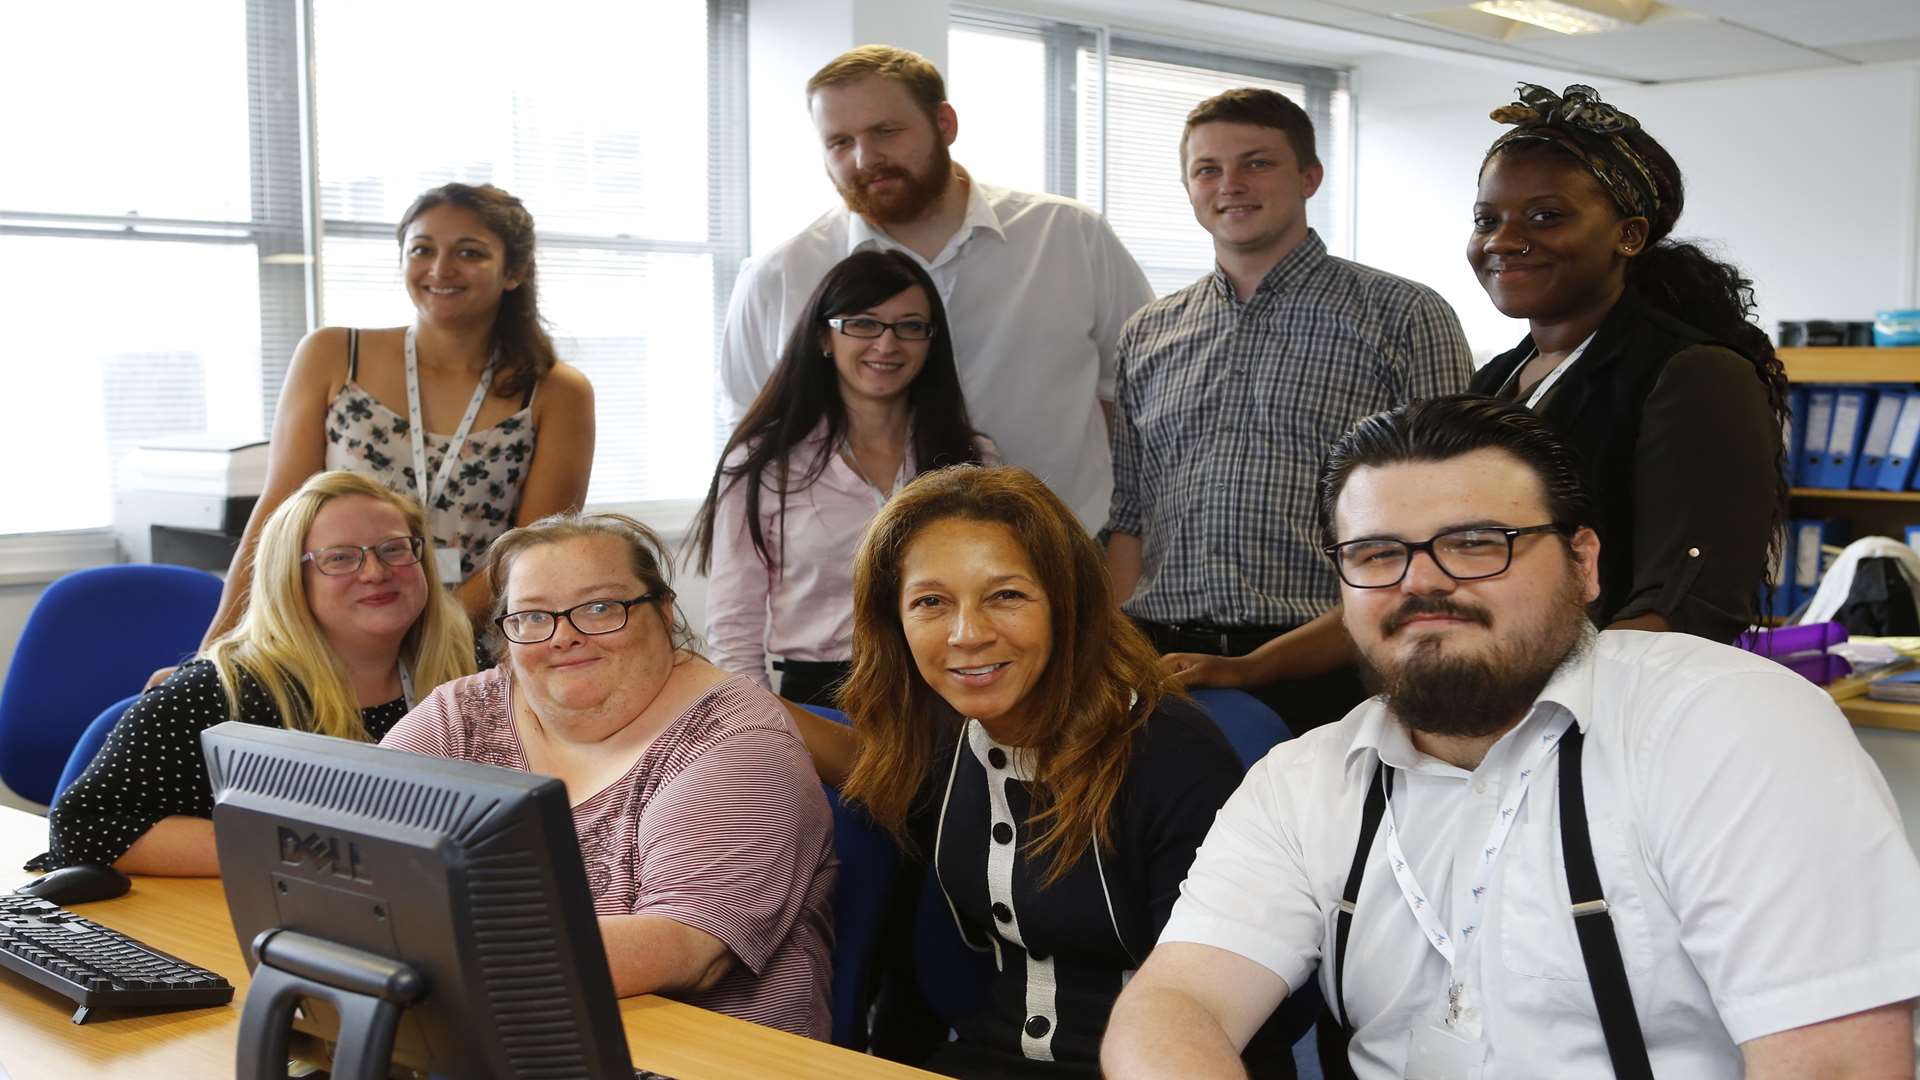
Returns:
(1855, 493)
(1851, 365)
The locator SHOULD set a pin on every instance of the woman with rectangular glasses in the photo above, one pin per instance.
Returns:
(345, 624)
(864, 399)
(707, 841)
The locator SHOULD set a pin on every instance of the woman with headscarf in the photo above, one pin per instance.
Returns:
(1641, 352)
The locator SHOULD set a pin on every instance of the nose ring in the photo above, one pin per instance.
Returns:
(1528, 248)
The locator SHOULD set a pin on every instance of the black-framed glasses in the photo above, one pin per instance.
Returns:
(866, 326)
(603, 616)
(1483, 551)
(349, 558)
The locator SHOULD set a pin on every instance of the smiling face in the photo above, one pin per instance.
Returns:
(1548, 244)
(376, 604)
(977, 621)
(1463, 653)
(1247, 187)
(881, 369)
(455, 267)
(886, 156)
(582, 680)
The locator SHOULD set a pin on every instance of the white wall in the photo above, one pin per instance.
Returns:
(1808, 181)
(787, 42)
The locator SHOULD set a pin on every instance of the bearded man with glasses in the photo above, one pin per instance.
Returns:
(1539, 849)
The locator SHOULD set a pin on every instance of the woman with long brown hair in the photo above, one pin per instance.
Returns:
(1019, 738)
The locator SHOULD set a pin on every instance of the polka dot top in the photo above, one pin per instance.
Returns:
(150, 766)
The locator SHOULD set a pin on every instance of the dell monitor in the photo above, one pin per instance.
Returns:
(411, 908)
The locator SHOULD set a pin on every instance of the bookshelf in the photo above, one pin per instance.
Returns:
(1885, 513)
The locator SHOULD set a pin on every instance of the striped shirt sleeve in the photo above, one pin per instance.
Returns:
(723, 847)
(1435, 360)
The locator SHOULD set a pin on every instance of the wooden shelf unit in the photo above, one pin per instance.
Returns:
(1855, 364)
(1884, 513)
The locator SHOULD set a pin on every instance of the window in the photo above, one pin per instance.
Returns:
(131, 241)
(609, 124)
(1109, 133)
(160, 235)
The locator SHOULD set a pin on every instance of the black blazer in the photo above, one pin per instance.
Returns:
(1681, 450)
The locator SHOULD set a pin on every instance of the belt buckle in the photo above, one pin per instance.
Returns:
(1226, 649)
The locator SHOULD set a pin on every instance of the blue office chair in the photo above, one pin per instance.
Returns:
(867, 860)
(90, 743)
(1246, 721)
(93, 637)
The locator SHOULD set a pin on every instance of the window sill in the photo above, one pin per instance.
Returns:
(39, 558)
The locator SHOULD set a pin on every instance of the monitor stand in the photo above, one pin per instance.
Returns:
(368, 990)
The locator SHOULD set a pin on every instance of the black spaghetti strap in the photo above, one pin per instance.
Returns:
(353, 354)
(1370, 815)
(1599, 948)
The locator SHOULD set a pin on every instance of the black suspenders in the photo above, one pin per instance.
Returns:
(1599, 949)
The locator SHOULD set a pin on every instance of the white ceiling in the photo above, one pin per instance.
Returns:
(1691, 39)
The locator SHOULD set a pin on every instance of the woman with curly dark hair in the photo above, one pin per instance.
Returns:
(1642, 352)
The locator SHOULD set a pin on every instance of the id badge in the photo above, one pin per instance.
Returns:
(1441, 1053)
(447, 561)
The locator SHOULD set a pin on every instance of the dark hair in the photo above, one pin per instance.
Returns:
(1084, 710)
(1687, 282)
(646, 557)
(1443, 428)
(904, 66)
(804, 390)
(1261, 108)
(520, 342)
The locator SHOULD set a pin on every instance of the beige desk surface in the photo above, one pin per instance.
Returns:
(188, 918)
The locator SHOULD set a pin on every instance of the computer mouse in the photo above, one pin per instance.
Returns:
(78, 884)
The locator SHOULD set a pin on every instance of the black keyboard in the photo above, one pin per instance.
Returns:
(96, 967)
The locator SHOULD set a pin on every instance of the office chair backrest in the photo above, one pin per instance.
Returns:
(1246, 721)
(93, 637)
(90, 743)
(867, 862)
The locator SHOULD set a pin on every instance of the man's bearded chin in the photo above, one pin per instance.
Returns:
(912, 198)
(1441, 691)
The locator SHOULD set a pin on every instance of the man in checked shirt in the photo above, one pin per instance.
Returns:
(1230, 391)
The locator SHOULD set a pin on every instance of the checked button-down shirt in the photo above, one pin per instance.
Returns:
(1224, 411)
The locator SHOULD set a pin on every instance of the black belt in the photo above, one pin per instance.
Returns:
(1599, 947)
(1217, 640)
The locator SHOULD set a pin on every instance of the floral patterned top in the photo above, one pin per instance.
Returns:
(480, 498)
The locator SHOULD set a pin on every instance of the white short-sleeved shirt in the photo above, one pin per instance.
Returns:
(1036, 287)
(1755, 866)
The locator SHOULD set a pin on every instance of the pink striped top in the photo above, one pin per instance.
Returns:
(720, 825)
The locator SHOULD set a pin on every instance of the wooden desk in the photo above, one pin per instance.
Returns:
(1851, 695)
(188, 917)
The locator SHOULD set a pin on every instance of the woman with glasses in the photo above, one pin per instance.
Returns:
(467, 409)
(864, 399)
(707, 840)
(345, 628)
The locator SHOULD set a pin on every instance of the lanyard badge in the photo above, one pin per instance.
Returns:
(447, 559)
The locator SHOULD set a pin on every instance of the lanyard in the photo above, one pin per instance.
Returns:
(406, 685)
(1546, 383)
(419, 429)
(1454, 946)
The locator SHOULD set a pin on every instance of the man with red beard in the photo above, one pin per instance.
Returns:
(1540, 850)
(1036, 286)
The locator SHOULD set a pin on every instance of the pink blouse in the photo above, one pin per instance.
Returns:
(800, 606)
(720, 825)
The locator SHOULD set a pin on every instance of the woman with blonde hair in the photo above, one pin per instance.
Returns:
(346, 625)
(1019, 737)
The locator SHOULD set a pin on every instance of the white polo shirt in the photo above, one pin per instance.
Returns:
(1756, 869)
(1036, 288)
